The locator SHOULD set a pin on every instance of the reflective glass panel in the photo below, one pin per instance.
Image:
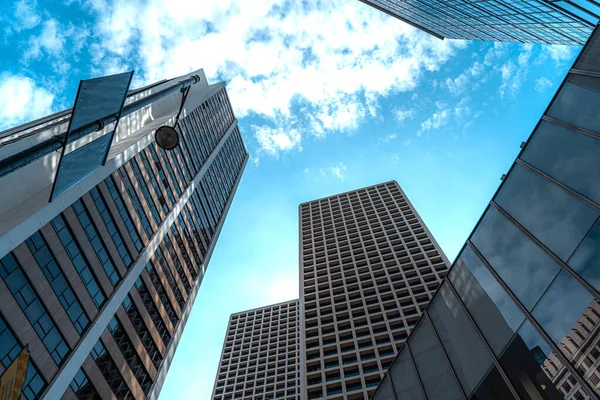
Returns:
(467, 353)
(589, 60)
(384, 390)
(493, 387)
(493, 310)
(586, 260)
(404, 378)
(531, 367)
(434, 370)
(577, 103)
(523, 266)
(569, 157)
(557, 218)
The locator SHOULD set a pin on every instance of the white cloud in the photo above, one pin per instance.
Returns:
(275, 140)
(542, 84)
(335, 59)
(439, 118)
(468, 78)
(395, 158)
(21, 100)
(401, 114)
(26, 16)
(50, 40)
(462, 109)
(388, 138)
(559, 53)
(338, 171)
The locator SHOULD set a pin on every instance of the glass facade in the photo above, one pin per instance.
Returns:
(519, 314)
(527, 21)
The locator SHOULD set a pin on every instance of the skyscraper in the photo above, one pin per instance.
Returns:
(260, 357)
(518, 315)
(368, 267)
(527, 21)
(99, 281)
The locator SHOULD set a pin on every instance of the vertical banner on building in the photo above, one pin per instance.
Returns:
(98, 99)
(14, 377)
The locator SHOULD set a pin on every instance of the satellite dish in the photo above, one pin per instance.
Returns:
(167, 137)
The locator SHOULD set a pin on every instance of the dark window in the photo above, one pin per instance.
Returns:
(130, 354)
(111, 373)
(96, 241)
(111, 227)
(78, 259)
(142, 331)
(404, 378)
(557, 218)
(9, 350)
(154, 182)
(137, 173)
(161, 173)
(586, 260)
(58, 282)
(162, 294)
(32, 307)
(493, 310)
(523, 266)
(464, 348)
(142, 290)
(433, 369)
(116, 196)
(493, 387)
(83, 388)
(589, 59)
(170, 278)
(567, 156)
(577, 102)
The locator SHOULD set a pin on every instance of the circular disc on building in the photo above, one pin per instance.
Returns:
(167, 137)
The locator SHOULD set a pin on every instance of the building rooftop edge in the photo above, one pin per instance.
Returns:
(267, 306)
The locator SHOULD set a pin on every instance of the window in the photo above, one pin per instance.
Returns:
(142, 331)
(586, 260)
(137, 173)
(130, 354)
(567, 156)
(433, 369)
(162, 294)
(96, 241)
(554, 216)
(83, 388)
(576, 103)
(9, 350)
(78, 259)
(164, 333)
(109, 370)
(523, 266)
(464, 348)
(497, 316)
(45, 259)
(32, 307)
(111, 227)
(135, 200)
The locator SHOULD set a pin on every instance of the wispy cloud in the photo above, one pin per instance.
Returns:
(275, 140)
(401, 114)
(468, 78)
(26, 15)
(21, 99)
(338, 171)
(542, 84)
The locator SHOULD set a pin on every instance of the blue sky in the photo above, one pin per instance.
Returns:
(330, 97)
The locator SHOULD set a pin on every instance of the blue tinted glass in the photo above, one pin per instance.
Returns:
(557, 218)
(432, 367)
(563, 305)
(523, 266)
(404, 378)
(567, 156)
(497, 316)
(577, 103)
(467, 353)
(586, 260)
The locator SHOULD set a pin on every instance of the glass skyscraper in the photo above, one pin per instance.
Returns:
(527, 21)
(518, 315)
(99, 282)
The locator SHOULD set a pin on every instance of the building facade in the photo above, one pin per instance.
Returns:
(99, 282)
(368, 268)
(518, 315)
(260, 356)
(526, 21)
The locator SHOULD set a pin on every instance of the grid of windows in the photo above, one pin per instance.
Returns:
(529, 21)
(162, 293)
(142, 331)
(46, 261)
(9, 350)
(116, 196)
(33, 308)
(519, 314)
(161, 328)
(83, 388)
(160, 259)
(111, 372)
(78, 259)
(130, 354)
(111, 227)
(260, 355)
(369, 268)
(97, 243)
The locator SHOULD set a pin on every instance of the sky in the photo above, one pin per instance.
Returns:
(330, 97)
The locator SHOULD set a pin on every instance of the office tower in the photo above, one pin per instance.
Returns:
(526, 21)
(368, 267)
(260, 355)
(527, 280)
(99, 282)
